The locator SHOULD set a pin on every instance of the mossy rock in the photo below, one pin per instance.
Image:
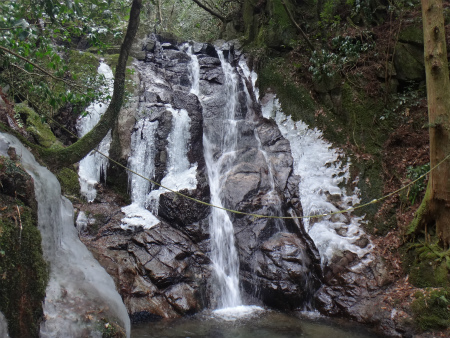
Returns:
(427, 264)
(428, 273)
(270, 25)
(295, 99)
(409, 62)
(412, 35)
(40, 130)
(113, 59)
(68, 179)
(23, 270)
(82, 64)
(354, 123)
(24, 275)
(431, 309)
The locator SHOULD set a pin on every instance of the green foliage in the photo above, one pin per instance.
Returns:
(36, 62)
(431, 309)
(410, 97)
(186, 19)
(413, 173)
(328, 18)
(326, 64)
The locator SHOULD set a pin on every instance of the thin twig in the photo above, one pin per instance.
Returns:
(25, 71)
(210, 11)
(37, 67)
(20, 224)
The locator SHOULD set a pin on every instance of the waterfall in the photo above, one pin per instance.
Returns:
(180, 174)
(194, 71)
(94, 164)
(78, 285)
(142, 161)
(219, 153)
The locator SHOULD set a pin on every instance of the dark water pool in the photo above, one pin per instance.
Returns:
(267, 324)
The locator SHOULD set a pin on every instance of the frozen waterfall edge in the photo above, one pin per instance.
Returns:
(76, 279)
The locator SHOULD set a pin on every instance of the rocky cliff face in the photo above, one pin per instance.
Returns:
(165, 270)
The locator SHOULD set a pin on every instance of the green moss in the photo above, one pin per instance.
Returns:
(412, 34)
(409, 62)
(23, 271)
(35, 125)
(273, 28)
(82, 64)
(417, 223)
(110, 329)
(295, 98)
(431, 310)
(113, 59)
(68, 179)
(427, 264)
(130, 84)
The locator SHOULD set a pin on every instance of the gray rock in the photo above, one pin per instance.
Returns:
(409, 62)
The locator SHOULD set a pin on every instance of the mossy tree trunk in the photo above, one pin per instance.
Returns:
(74, 153)
(435, 207)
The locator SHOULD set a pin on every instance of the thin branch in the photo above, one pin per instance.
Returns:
(25, 71)
(38, 67)
(297, 26)
(210, 11)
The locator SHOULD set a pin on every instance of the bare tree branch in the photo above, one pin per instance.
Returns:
(210, 11)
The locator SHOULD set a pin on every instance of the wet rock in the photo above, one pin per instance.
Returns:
(183, 299)
(284, 274)
(160, 272)
(355, 290)
(165, 271)
(16, 182)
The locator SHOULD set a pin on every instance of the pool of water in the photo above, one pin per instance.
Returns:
(262, 324)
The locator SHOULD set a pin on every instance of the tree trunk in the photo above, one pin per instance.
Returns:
(437, 199)
(74, 153)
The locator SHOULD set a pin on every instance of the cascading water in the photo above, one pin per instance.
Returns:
(223, 251)
(94, 164)
(141, 161)
(180, 174)
(194, 70)
(78, 285)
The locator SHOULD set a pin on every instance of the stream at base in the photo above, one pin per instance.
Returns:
(269, 324)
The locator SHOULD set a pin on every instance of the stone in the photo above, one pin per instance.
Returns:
(409, 62)
(284, 275)
(183, 299)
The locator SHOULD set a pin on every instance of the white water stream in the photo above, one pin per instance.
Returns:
(94, 164)
(223, 250)
(180, 174)
(142, 161)
(78, 285)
